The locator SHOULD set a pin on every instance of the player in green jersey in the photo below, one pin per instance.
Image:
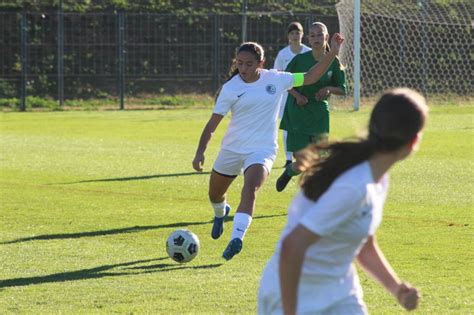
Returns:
(306, 115)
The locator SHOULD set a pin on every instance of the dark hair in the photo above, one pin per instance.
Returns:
(294, 26)
(395, 121)
(251, 47)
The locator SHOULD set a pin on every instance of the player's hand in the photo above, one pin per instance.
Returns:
(198, 162)
(322, 94)
(336, 42)
(301, 100)
(408, 296)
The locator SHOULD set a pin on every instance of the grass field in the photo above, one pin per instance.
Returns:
(88, 199)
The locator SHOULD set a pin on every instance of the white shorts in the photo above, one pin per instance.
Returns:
(232, 164)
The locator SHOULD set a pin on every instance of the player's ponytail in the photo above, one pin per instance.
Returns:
(396, 119)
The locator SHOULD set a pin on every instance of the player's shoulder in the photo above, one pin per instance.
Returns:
(273, 73)
(284, 50)
(304, 55)
(233, 84)
(357, 177)
(305, 49)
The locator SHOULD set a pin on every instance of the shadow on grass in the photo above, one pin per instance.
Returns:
(114, 270)
(133, 229)
(124, 179)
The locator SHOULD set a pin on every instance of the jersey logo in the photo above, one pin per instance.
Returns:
(241, 94)
(271, 89)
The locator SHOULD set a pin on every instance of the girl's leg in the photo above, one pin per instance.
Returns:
(301, 141)
(254, 177)
(288, 154)
(218, 185)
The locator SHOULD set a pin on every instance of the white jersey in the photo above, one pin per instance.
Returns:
(344, 216)
(254, 108)
(282, 60)
(285, 55)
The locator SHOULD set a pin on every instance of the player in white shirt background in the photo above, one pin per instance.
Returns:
(249, 146)
(333, 219)
(295, 46)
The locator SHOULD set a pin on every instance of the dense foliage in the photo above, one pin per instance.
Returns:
(176, 6)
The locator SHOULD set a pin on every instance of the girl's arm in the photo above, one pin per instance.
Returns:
(374, 263)
(206, 136)
(318, 70)
(324, 92)
(301, 100)
(292, 254)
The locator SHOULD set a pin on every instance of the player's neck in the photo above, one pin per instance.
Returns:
(380, 163)
(296, 47)
(318, 53)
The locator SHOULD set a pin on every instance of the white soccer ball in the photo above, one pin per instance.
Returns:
(182, 246)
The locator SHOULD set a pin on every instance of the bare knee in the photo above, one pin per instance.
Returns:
(250, 190)
(216, 197)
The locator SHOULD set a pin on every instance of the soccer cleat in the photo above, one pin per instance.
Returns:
(234, 247)
(218, 225)
(282, 181)
(288, 162)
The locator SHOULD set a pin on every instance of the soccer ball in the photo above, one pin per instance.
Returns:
(182, 246)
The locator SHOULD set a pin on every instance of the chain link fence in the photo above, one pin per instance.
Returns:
(116, 55)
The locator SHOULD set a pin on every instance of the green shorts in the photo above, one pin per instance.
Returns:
(298, 141)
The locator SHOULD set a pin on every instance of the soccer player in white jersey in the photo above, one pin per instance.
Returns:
(295, 46)
(333, 219)
(250, 143)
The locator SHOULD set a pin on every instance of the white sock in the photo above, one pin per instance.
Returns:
(289, 155)
(219, 208)
(241, 224)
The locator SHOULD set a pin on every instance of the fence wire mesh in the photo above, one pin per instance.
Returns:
(162, 53)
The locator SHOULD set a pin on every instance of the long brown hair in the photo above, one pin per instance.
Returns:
(395, 121)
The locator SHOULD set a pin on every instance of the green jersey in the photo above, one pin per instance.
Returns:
(312, 118)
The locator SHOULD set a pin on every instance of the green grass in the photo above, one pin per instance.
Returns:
(152, 101)
(87, 200)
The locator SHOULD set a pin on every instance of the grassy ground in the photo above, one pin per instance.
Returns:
(89, 198)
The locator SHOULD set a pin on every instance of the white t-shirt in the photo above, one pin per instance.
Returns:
(282, 60)
(285, 55)
(254, 108)
(344, 216)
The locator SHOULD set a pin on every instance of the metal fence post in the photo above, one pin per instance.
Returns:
(24, 63)
(216, 54)
(121, 59)
(424, 47)
(60, 54)
(244, 20)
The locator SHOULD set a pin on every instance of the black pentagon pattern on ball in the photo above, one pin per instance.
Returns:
(192, 248)
(179, 240)
(178, 257)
